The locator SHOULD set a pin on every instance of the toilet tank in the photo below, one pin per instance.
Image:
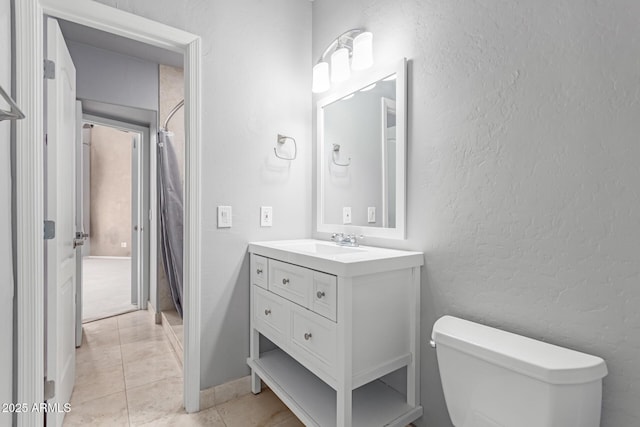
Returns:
(493, 378)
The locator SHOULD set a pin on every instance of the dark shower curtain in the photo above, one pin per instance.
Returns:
(171, 217)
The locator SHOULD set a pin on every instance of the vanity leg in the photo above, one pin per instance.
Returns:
(344, 407)
(413, 369)
(344, 333)
(254, 352)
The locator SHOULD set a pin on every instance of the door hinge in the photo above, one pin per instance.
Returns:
(49, 230)
(49, 389)
(49, 69)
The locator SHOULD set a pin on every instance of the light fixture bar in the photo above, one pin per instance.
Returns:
(344, 37)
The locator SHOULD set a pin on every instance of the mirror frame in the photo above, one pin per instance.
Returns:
(371, 76)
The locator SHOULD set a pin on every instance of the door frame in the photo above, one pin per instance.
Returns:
(145, 249)
(29, 48)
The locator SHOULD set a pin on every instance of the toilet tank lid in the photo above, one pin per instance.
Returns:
(546, 362)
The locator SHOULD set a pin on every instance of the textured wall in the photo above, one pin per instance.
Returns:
(256, 80)
(523, 171)
(6, 268)
(110, 194)
(171, 93)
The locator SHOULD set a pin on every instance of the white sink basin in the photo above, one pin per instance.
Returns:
(322, 248)
(339, 260)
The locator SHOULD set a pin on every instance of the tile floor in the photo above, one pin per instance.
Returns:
(128, 375)
(106, 287)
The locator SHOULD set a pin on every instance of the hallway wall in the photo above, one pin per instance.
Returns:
(114, 78)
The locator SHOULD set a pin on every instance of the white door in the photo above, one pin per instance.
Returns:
(80, 230)
(136, 226)
(60, 254)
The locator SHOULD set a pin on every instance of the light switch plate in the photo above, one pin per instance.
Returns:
(266, 216)
(224, 216)
(346, 215)
(371, 214)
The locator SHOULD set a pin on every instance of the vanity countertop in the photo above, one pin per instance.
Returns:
(343, 261)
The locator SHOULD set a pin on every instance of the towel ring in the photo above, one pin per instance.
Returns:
(336, 149)
(281, 140)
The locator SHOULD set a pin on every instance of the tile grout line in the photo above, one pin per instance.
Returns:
(124, 380)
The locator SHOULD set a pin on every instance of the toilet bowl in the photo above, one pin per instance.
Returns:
(493, 378)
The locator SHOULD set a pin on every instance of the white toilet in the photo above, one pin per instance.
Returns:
(493, 378)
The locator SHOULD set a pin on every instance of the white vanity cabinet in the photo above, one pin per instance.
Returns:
(341, 319)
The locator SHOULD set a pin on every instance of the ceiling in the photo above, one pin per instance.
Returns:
(103, 40)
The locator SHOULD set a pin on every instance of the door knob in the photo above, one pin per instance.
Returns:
(320, 294)
(78, 242)
(285, 281)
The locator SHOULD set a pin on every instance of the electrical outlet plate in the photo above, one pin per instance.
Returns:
(266, 216)
(371, 214)
(346, 215)
(224, 216)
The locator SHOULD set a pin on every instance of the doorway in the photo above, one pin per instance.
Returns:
(29, 188)
(112, 197)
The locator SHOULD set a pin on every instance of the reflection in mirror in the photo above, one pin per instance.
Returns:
(388, 114)
(361, 156)
(358, 138)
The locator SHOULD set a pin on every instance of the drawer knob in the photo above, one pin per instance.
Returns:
(285, 281)
(259, 271)
(307, 336)
(320, 294)
(267, 311)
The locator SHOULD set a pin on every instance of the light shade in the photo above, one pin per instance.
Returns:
(340, 70)
(320, 78)
(362, 51)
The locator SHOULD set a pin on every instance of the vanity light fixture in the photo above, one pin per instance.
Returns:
(340, 70)
(352, 49)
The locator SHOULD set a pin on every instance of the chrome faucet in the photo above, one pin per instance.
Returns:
(342, 239)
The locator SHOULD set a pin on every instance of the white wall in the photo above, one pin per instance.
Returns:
(523, 171)
(6, 267)
(110, 77)
(256, 83)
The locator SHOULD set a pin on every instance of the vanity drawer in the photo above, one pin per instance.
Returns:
(324, 295)
(271, 315)
(259, 270)
(314, 337)
(290, 281)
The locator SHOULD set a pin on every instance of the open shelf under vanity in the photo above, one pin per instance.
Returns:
(314, 402)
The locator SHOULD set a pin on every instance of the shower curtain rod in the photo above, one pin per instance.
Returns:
(171, 113)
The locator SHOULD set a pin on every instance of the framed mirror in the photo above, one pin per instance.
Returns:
(362, 156)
